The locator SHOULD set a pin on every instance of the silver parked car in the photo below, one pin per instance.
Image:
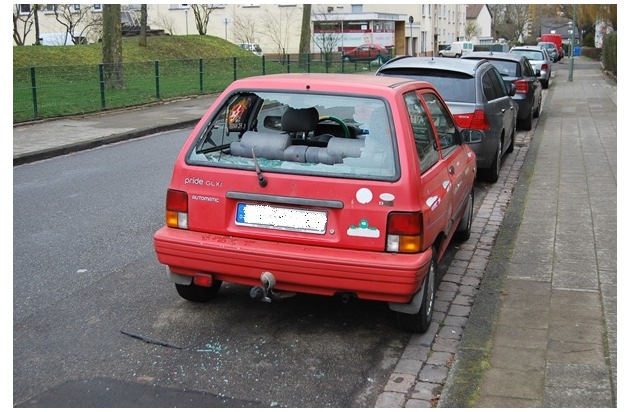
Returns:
(540, 60)
(551, 49)
(476, 95)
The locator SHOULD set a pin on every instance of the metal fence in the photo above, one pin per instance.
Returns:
(53, 91)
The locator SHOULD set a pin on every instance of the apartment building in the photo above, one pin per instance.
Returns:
(417, 29)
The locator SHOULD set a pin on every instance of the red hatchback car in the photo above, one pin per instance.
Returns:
(325, 184)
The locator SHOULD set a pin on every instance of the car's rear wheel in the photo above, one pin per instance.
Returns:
(465, 224)
(526, 124)
(495, 167)
(545, 84)
(421, 321)
(537, 111)
(196, 293)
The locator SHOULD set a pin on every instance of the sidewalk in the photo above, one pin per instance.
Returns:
(50, 138)
(542, 331)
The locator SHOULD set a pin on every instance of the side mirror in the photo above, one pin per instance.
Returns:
(537, 72)
(512, 90)
(472, 136)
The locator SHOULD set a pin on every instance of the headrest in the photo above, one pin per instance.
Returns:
(299, 120)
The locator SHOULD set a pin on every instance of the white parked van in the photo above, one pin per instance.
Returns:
(457, 49)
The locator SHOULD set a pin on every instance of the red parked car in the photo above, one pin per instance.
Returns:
(327, 184)
(367, 52)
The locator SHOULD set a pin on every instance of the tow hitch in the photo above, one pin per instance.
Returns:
(265, 292)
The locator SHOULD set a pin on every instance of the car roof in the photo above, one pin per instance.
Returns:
(367, 84)
(546, 43)
(526, 48)
(469, 66)
(492, 55)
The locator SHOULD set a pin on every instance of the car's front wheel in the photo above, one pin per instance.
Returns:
(420, 322)
(196, 293)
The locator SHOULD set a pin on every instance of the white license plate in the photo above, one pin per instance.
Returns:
(281, 218)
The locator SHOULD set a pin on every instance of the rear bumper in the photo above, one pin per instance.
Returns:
(317, 270)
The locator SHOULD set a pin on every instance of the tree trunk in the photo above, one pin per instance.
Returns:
(36, 17)
(112, 47)
(305, 35)
(143, 25)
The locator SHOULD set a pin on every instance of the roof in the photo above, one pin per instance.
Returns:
(469, 66)
(329, 82)
(473, 10)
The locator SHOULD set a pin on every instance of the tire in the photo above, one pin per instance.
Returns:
(420, 322)
(510, 148)
(495, 167)
(526, 124)
(457, 56)
(537, 111)
(441, 55)
(464, 228)
(195, 293)
(545, 84)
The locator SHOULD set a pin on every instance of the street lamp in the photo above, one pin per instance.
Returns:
(571, 50)
(225, 21)
(411, 34)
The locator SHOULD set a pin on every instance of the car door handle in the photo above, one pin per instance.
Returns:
(451, 170)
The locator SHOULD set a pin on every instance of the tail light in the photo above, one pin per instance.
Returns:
(544, 67)
(177, 209)
(404, 232)
(476, 120)
(521, 86)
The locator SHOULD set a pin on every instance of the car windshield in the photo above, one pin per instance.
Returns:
(453, 86)
(530, 54)
(300, 133)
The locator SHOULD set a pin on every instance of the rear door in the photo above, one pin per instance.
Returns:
(500, 108)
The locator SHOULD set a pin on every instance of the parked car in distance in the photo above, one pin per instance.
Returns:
(552, 50)
(457, 49)
(556, 39)
(252, 47)
(367, 52)
(516, 70)
(327, 184)
(476, 95)
(539, 60)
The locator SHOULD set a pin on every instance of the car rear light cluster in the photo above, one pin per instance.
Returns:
(177, 209)
(521, 86)
(477, 120)
(404, 232)
(544, 67)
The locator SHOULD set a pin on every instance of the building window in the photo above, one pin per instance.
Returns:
(250, 5)
(357, 8)
(97, 7)
(179, 6)
(24, 9)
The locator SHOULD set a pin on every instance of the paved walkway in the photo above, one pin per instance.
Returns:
(549, 293)
(526, 315)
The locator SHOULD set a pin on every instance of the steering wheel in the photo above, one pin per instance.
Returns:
(346, 130)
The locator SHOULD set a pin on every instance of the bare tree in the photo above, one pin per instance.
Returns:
(112, 47)
(245, 29)
(23, 19)
(327, 35)
(142, 41)
(305, 35)
(510, 20)
(168, 23)
(202, 14)
(472, 30)
(72, 16)
(276, 27)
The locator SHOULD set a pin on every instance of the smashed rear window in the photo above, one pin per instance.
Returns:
(300, 133)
